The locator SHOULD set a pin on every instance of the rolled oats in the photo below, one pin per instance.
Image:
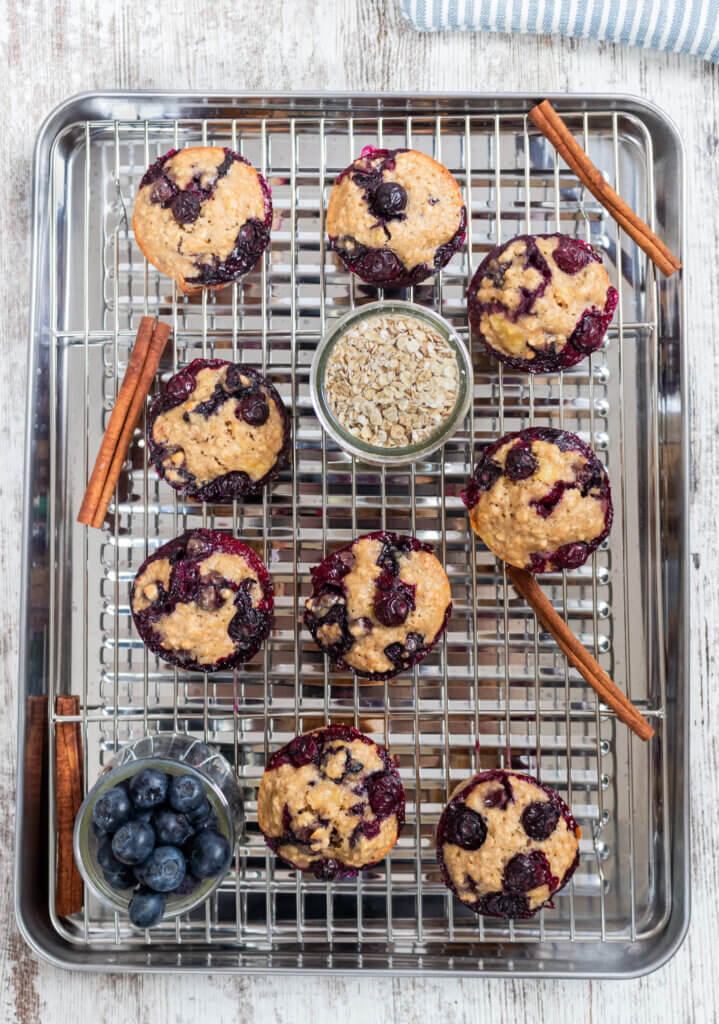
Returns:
(391, 380)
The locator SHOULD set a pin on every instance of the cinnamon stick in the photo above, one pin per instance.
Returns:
(157, 346)
(546, 118)
(116, 422)
(68, 797)
(526, 584)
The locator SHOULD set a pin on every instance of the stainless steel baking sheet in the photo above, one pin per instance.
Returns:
(497, 689)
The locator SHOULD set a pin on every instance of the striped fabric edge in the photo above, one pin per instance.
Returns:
(681, 26)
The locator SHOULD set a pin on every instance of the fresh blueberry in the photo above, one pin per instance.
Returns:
(112, 809)
(186, 793)
(186, 207)
(133, 842)
(254, 410)
(107, 859)
(539, 819)
(520, 463)
(389, 200)
(146, 908)
(198, 815)
(465, 828)
(148, 788)
(210, 854)
(385, 794)
(164, 869)
(123, 879)
(303, 750)
(186, 886)
(172, 827)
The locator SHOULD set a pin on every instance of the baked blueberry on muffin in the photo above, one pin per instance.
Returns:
(541, 303)
(395, 216)
(540, 499)
(378, 605)
(219, 431)
(203, 601)
(506, 844)
(331, 802)
(202, 216)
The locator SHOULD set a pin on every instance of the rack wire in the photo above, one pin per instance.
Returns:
(496, 690)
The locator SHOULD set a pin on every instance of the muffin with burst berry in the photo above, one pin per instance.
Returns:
(379, 604)
(540, 499)
(331, 802)
(395, 216)
(540, 303)
(219, 431)
(202, 216)
(506, 844)
(203, 601)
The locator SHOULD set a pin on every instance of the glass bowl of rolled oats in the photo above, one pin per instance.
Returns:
(391, 382)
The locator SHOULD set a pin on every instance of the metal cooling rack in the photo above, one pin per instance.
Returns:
(496, 691)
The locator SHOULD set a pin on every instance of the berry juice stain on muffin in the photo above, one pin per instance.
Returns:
(541, 303)
(219, 431)
(331, 802)
(395, 217)
(378, 605)
(202, 216)
(203, 601)
(506, 844)
(540, 499)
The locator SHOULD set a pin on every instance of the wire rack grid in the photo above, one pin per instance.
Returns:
(496, 690)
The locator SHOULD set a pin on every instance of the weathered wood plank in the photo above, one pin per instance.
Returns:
(54, 50)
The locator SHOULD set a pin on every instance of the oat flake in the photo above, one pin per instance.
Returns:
(391, 381)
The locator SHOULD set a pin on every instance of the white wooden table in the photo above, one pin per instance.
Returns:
(55, 50)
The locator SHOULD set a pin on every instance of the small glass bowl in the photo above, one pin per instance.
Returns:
(374, 453)
(175, 755)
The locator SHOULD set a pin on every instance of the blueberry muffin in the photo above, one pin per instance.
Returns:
(541, 303)
(506, 844)
(203, 601)
(378, 605)
(219, 431)
(331, 802)
(395, 216)
(202, 216)
(540, 499)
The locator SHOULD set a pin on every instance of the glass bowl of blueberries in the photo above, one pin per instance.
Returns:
(155, 835)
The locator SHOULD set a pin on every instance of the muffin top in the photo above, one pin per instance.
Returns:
(379, 604)
(395, 215)
(505, 843)
(541, 302)
(202, 216)
(331, 801)
(203, 601)
(540, 499)
(218, 431)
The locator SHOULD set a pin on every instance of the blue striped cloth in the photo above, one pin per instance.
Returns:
(685, 26)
